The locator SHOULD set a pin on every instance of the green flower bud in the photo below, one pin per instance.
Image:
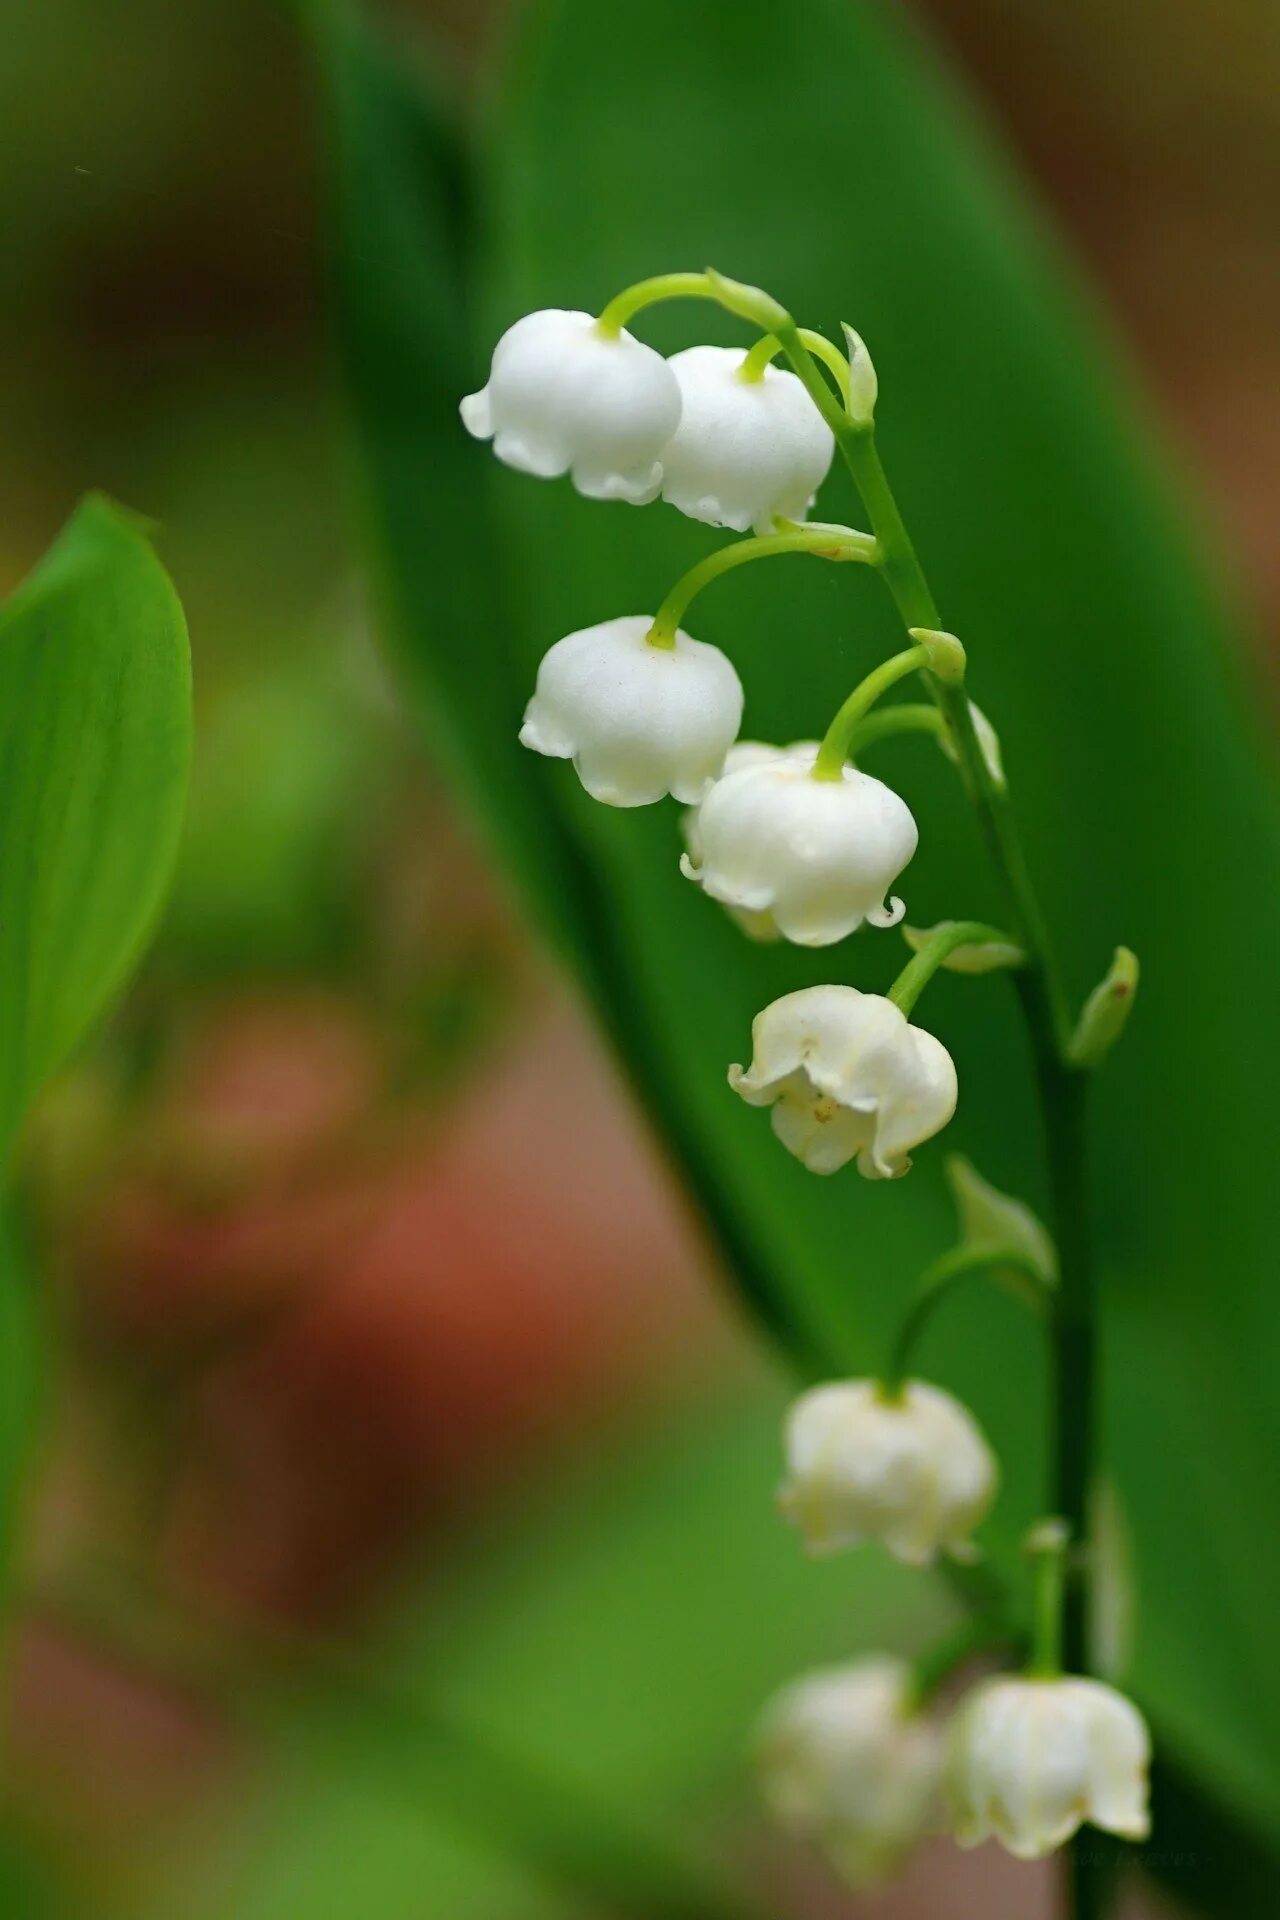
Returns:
(864, 387)
(1106, 1012)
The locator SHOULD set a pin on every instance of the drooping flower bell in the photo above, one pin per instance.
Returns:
(563, 397)
(757, 925)
(638, 721)
(1030, 1760)
(843, 1760)
(846, 1076)
(746, 451)
(817, 856)
(908, 1468)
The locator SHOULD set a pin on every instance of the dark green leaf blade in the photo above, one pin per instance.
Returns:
(440, 555)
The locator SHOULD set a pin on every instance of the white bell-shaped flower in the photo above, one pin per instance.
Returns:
(743, 753)
(638, 721)
(1030, 1760)
(562, 397)
(844, 1761)
(847, 1076)
(908, 1468)
(745, 451)
(817, 856)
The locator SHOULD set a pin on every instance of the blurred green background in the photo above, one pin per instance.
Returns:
(380, 1316)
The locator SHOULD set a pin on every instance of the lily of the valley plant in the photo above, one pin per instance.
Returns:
(799, 843)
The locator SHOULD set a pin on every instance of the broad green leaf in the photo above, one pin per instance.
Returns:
(95, 735)
(833, 164)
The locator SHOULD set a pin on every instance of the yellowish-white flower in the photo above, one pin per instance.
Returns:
(817, 856)
(908, 1468)
(638, 721)
(562, 397)
(846, 1075)
(745, 451)
(1030, 1760)
(844, 1761)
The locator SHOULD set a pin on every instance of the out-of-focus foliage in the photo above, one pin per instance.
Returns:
(22, 1378)
(618, 1640)
(284, 806)
(834, 165)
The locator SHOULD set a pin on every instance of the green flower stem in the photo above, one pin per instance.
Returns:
(1060, 1084)
(837, 742)
(749, 303)
(1047, 1546)
(918, 972)
(939, 1281)
(981, 1633)
(647, 293)
(910, 717)
(768, 347)
(828, 543)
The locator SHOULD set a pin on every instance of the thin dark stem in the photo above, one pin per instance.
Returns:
(1093, 1863)
(1074, 1343)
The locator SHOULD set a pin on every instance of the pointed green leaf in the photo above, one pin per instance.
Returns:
(95, 737)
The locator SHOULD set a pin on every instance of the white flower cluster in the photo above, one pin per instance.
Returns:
(567, 395)
(791, 854)
(799, 845)
(850, 1759)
